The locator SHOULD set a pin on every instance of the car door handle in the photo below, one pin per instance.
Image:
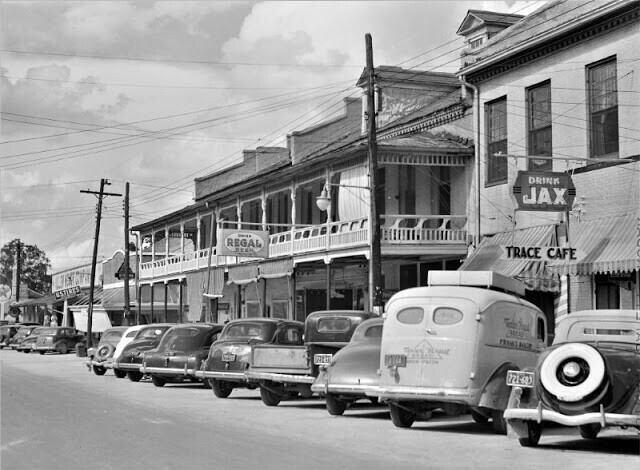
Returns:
(430, 331)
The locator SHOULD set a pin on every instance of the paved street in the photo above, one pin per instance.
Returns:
(55, 414)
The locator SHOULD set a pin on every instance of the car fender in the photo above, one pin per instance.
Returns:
(495, 393)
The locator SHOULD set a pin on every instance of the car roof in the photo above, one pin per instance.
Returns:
(608, 314)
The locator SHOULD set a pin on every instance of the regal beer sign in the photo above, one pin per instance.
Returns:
(246, 243)
(544, 191)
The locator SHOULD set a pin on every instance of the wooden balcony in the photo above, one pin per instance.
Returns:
(405, 231)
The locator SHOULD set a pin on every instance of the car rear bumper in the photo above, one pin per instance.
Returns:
(168, 370)
(340, 389)
(421, 394)
(126, 366)
(215, 374)
(44, 348)
(106, 364)
(604, 419)
(281, 378)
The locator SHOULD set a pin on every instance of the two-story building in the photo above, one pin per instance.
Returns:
(561, 85)
(318, 254)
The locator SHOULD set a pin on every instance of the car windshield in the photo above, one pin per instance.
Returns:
(112, 335)
(182, 339)
(49, 331)
(151, 333)
(25, 331)
(249, 330)
(5, 329)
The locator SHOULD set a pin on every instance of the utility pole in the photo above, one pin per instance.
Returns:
(375, 256)
(100, 194)
(18, 269)
(126, 251)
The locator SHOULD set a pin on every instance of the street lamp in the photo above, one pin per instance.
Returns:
(323, 200)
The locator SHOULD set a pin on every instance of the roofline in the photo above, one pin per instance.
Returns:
(563, 28)
(475, 12)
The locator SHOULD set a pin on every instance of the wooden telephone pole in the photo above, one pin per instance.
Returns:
(126, 252)
(375, 256)
(100, 194)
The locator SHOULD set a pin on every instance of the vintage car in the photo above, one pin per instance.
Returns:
(58, 338)
(21, 334)
(7, 332)
(283, 371)
(99, 354)
(128, 336)
(353, 369)
(180, 353)
(27, 344)
(450, 345)
(130, 359)
(589, 377)
(229, 356)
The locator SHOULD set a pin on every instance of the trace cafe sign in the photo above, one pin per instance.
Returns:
(541, 253)
(544, 191)
(246, 243)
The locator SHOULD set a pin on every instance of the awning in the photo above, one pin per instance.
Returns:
(113, 299)
(276, 268)
(535, 274)
(48, 299)
(83, 298)
(609, 245)
(99, 320)
(243, 274)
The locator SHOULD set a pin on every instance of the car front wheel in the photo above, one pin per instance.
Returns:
(134, 376)
(534, 431)
(221, 389)
(158, 381)
(590, 431)
(498, 422)
(119, 373)
(400, 417)
(63, 348)
(335, 407)
(99, 370)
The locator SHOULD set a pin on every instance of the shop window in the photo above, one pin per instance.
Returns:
(496, 118)
(539, 125)
(607, 293)
(253, 308)
(408, 276)
(280, 309)
(407, 189)
(602, 83)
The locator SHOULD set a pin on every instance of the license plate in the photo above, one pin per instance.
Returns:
(395, 360)
(516, 378)
(322, 359)
(228, 357)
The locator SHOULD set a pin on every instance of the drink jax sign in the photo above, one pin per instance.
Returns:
(248, 243)
(541, 253)
(544, 191)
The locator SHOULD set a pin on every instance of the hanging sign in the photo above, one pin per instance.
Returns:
(544, 191)
(67, 293)
(246, 243)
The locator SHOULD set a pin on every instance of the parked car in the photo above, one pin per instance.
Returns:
(21, 334)
(589, 377)
(450, 345)
(27, 344)
(7, 332)
(130, 359)
(59, 338)
(99, 354)
(229, 356)
(128, 336)
(283, 370)
(180, 353)
(353, 369)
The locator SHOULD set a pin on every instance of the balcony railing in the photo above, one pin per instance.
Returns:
(414, 230)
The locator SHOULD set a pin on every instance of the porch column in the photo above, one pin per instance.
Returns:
(198, 236)
(166, 295)
(263, 206)
(328, 286)
(153, 246)
(239, 213)
(293, 206)
(180, 310)
(182, 237)
(152, 300)
(166, 242)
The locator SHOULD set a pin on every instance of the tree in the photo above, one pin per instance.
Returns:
(34, 266)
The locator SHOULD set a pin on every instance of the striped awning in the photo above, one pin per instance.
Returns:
(610, 245)
(276, 268)
(243, 274)
(535, 274)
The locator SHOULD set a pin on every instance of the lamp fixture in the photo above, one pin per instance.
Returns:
(324, 200)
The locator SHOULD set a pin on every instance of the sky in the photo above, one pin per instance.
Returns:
(158, 93)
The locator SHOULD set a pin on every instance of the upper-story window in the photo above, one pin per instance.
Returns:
(602, 83)
(496, 118)
(539, 125)
(476, 43)
(252, 214)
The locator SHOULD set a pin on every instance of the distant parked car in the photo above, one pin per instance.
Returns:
(180, 352)
(449, 346)
(21, 334)
(7, 332)
(147, 338)
(104, 350)
(283, 370)
(27, 344)
(353, 369)
(589, 377)
(61, 339)
(126, 338)
(229, 356)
